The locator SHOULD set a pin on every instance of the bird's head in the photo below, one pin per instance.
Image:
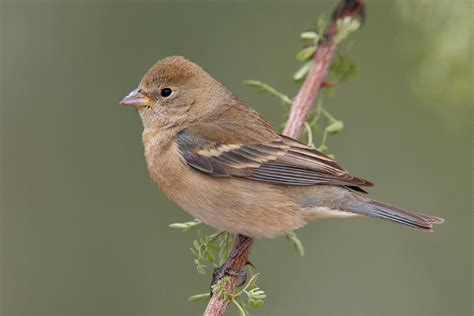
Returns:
(175, 93)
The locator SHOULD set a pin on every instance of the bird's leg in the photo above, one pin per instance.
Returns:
(227, 269)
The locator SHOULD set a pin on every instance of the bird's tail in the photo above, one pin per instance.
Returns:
(394, 214)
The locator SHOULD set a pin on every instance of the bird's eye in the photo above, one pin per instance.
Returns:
(166, 92)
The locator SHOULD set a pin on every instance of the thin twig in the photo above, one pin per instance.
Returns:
(294, 127)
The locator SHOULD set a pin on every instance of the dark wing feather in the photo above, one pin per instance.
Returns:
(281, 160)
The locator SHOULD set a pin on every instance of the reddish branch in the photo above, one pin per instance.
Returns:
(217, 306)
(316, 76)
(300, 107)
(309, 91)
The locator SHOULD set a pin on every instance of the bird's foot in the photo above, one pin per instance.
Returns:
(226, 269)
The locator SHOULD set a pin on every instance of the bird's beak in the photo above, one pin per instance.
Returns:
(137, 99)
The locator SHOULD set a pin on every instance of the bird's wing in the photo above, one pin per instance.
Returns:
(221, 150)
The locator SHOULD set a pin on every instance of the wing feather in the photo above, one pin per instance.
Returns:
(281, 160)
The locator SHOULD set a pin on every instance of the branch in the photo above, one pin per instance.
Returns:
(294, 127)
(319, 68)
(217, 306)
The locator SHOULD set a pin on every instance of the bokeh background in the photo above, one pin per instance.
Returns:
(85, 232)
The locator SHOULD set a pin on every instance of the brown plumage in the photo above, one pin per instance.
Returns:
(224, 164)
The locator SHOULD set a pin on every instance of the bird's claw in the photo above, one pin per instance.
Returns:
(226, 269)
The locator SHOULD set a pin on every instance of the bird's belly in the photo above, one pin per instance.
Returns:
(250, 208)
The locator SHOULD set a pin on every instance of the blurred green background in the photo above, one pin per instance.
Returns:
(85, 232)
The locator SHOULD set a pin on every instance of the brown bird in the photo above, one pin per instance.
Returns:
(224, 164)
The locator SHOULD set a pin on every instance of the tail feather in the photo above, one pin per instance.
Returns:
(394, 214)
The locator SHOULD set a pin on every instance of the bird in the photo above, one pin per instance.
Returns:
(224, 164)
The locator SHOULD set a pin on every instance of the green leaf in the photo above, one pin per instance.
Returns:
(186, 226)
(309, 133)
(227, 296)
(213, 246)
(210, 257)
(199, 297)
(201, 268)
(343, 67)
(255, 303)
(310, 35)
(335, 127)
(345, 26)
(323, 148)
(321, 24)
(305, 53)
(301, 73)
(178, 225)
(296, 242)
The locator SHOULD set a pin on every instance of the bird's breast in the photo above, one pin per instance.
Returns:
(164, 163)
